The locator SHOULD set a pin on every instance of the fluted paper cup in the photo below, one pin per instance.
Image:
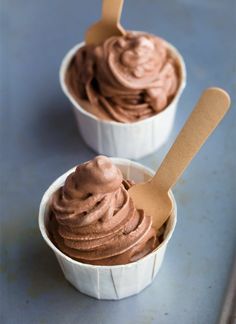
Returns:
(117, 281)
(126, 140)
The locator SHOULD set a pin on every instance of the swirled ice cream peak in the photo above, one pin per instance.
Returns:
(93, 219)
(126, 79)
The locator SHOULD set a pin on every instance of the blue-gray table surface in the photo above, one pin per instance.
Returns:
(40, 141)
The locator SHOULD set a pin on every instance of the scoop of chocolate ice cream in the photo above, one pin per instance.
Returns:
(93, 219)
(125, 79)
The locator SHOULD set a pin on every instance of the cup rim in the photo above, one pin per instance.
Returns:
(63, 69)
(60, 180)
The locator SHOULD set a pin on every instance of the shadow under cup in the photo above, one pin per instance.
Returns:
(109, 282)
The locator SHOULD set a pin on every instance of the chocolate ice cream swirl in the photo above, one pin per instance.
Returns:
(94, 220)
(125, 79)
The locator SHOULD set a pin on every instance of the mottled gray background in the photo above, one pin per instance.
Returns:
(39, 142)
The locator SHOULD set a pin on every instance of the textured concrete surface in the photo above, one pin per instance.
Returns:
(39, 141)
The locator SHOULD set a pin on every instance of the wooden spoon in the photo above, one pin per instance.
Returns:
(153, 196)
(109, 24)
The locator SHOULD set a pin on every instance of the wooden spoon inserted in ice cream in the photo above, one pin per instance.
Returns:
(153, 196)
(109, 24)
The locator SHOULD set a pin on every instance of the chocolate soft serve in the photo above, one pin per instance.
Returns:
(93, 219)
(125, 79)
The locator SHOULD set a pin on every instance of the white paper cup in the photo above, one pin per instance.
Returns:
(127, 140)
(109, 282)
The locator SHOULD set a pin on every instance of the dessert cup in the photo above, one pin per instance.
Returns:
(117, 281)
(126, 140)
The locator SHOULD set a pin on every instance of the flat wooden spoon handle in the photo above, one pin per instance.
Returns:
(209, 111)
(111, 11)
